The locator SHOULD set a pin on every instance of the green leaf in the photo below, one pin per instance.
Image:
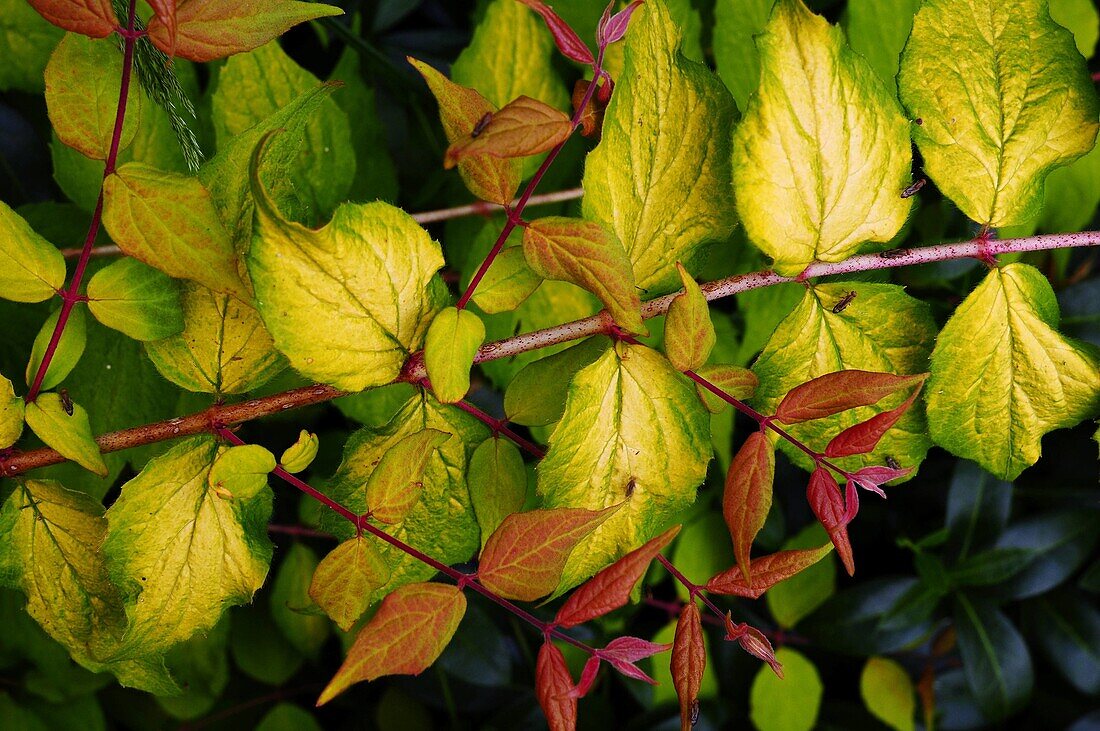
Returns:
(11, 414)
(258, 648)
(882, 330)
(396, 482)
(288, 717)
(375, 177)
(995, 658)
(68, 433)
(508, 281)
(536, 396)
(822, 154)
(82, 90)
(877, 30)
(240, 473)
(989, 139)
(345, 579)
(1081, 18)
(69, 347)
(498, 483)
(702, 550)
(798, 597)
(180, 553)
(201, 667)
(31, 269)
(449, 349)
(170, 222)
(736, 23)
(790, 703)
(26, 42)
(254, 86)
(689, 333)
(223, 348)
(1002, 375)
(136, 299)
(660, 177)
(15, 716)
(290, 598)
(300, 455)
(1066, 627)
(632, 433)
(887, 692)
(347, 303)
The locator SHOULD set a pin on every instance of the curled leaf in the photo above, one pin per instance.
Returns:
(300, 455)
(753, 642)
(689, 660)
(689, 332)
(612, 29)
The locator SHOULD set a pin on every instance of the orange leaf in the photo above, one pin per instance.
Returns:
(748, 495)
(553, 685)
(863, 437)
(689, 660)
(610, 588)
(93, 18)
(767, 571)
(592, 117)
(836, 392)
(824, 497)
(395, 486)
(525, 556)
(754, 642)
(165, 11)
(406, 635)
(522, 127)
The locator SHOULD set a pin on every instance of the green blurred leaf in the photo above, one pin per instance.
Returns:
(791, 600)
(790, 703)
(995, 658)
(290, 599)
(887, 691)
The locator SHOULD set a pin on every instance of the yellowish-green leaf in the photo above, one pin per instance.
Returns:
(136, 299)
(822, 154)
(887, 691)
(83, 81)
(449, 349)
(300, 455)
(660, 177)
(240, 473)
(536, 396)
(632, 433)
(507, 283)
(291, 605)
(69, 348)
(877, 30)
(736, 24)
(737, 382)
(1003, 98)
(397, 481)
(1002, 375)
(689, 333)
(790, 703)
(223, 348)
(1080, 17)
(883, 330)
(26, 42)
(169, 221)
(498, 483)
(31, 269)
(522, 127)
(69, 434)
(345, 578)
(11, 414)
(588, 255)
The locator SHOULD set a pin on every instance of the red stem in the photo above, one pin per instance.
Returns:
(500, 426)
(694, 590)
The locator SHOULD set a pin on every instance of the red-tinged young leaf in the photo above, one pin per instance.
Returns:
(836, 392)
(93, 18)
(406, 635)
(525, 556)
(588, 677)
(565, 38)
(614, 29)
(851, 501)
(824, 497)
(748, 496)
(632, 649)
(740, 383)
(689, 660)
(689, 332)
(611, 588)
(767, 571)
(863, 437)
(870, 478)
(753, 642)
(522, 127)
(553, 685)
(395, 486)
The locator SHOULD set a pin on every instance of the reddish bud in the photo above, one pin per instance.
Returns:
(623, 652)
(566, 39)
(612, 30)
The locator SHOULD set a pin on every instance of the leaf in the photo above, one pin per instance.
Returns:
(660, 177)
(978, 507)
(823, 494)
(736, 24)
(136, 300)
(864, 437)
(737, 382)
(170, 222)
(180, 553)
(406, 635)
(94, 18)
(165, 13)
(989, 139)
(1066, 628)
(878, 29)
(767, 572)
(223, 348)
(70, 434)
(345, 579)
(788, 704)
(792, 600)
(498, 483)
(522, 127)
(306, 631)
(689, 662)
(822, 153)
(396, 482)
(300, 455)
(1032, 380)
(611, 588)
(27, 41)
(369, 273)
(70, 347)
(833, 393)
(612, 28)
(11, 414)
(82, 92)
(995, 658)
(449, 349)
(552, 685)
(689, 333)
(622, 652)
(565, 38)
(240, 473)
(991, 567)
(288, 717)
(524, 558)
(537, 394)
(588, 255)
(632, 431)
(507, 283)
(748, 496)
(31, 269)
(1060, 540)
(887, 692)
(209, 29)
(461, 109)
(1082, 19)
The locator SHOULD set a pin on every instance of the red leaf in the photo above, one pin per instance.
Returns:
(824, 497)
(406, 635)
(566, 39)
(689, 660)
(613, 29)
(610, 589)
(631, 649)
(863, 437)
(836, 392)
(588, 676)
(94, 18)
(748, 495)
(526, 554)
(753, 642)
(767, 572)
(869, 478)
(552, 685)
(851, 501)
